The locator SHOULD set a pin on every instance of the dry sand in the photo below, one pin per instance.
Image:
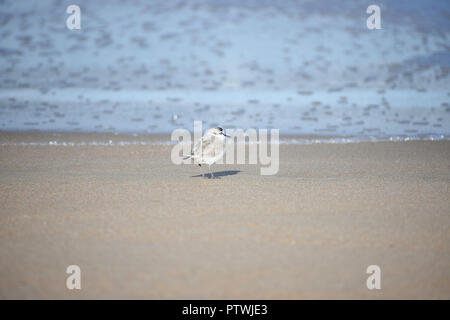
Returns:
(141, 227)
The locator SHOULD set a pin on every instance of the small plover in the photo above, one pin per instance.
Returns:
(209, 148)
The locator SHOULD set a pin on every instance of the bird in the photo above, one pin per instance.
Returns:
(208, 149)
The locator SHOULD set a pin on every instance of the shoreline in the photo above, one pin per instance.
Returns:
(63, 138)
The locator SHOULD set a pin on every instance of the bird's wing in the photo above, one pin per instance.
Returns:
(203, 143)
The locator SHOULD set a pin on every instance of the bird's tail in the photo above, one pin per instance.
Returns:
(193, 156)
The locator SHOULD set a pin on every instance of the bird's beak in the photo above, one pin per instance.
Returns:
(225, 135)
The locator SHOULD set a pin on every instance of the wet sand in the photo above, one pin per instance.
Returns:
(141, 227)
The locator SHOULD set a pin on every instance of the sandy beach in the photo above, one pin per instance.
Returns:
(140, 227)
(91, 93)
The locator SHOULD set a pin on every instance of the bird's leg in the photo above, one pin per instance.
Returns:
(203, 175)
(212, 175)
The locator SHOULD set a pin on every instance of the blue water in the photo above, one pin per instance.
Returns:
(309, 68)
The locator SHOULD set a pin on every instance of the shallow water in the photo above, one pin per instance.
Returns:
(308, 68)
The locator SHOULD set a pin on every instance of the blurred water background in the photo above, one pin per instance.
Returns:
(309, 68)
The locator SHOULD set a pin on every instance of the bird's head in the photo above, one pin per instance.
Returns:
(217, 131)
